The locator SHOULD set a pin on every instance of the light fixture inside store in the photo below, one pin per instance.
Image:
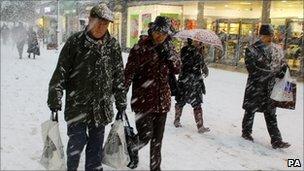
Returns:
(226, 5)
(284, 1)
(209, 7)
(245, 3)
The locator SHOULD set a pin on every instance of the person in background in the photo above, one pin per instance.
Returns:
(20, 38)
(32, 41)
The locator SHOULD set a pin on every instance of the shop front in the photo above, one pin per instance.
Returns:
(235, 22)
(140, 16)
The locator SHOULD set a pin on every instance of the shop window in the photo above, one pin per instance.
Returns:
(134, 29)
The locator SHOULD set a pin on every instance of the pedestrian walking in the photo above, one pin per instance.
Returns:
(191, 85)
(260, 82)
(20, 38)
(148, 67)
(90, 70)
(32, 41)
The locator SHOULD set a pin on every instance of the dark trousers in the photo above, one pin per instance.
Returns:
(81, 134)
(271, 122)
(151, 126)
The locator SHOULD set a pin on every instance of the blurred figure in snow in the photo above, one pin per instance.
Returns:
(32, 41)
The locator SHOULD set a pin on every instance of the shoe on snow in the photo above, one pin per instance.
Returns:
(132, 165)
(203, 130)
(177, 124)
(280, 144)
(247, 137)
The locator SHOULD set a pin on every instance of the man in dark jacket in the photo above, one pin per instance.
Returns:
(148, 67)
(191, 85)
(258, 60)
(90, 69)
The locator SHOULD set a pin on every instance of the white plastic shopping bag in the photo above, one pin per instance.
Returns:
(282, 90)
(53, 155)
(115, 152)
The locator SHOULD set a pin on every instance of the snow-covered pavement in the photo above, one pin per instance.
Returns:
(24, 88)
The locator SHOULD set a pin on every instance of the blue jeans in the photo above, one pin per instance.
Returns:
(81, 134)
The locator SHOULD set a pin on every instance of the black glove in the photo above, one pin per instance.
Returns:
(280, 74)
(55, 109)
(163, 50)
(120, 115)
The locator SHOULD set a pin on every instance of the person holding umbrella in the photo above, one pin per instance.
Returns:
(191, 85)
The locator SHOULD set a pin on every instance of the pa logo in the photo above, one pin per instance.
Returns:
(293, 163)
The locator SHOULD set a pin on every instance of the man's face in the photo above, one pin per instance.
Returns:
(267, 39)
(98, 27)
(159, 37)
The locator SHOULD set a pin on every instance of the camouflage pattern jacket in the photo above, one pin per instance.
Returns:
(91, 72)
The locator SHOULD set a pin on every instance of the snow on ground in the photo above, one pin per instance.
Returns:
(24, 87)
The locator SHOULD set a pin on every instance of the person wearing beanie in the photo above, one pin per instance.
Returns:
(147, 69)
(90, 70)
(260, 82)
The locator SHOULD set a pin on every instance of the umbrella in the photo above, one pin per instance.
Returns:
(201, 35)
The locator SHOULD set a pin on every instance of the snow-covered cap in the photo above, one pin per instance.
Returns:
(101, 11)
(162, 24)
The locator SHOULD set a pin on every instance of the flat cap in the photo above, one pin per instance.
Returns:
(102, 11)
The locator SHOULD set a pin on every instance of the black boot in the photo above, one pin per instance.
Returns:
(133, 153)
(134, 162)
(280, 144)
(178, 114)
(247, 136)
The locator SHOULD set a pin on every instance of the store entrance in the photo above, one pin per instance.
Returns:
(235, 35)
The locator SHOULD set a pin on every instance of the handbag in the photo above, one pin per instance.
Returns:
(132, 142)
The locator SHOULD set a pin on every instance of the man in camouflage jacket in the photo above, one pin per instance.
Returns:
(90, 69)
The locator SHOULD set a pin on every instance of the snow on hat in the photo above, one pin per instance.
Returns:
(266, 29)
(101, 11)
(162, 24)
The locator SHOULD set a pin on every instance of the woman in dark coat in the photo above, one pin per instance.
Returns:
(32, 42)
(191, 85)
(148, 67)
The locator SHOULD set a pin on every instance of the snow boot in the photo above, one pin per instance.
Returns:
(280, 144)
(198, 116)
(178, 114)
(247, 136)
